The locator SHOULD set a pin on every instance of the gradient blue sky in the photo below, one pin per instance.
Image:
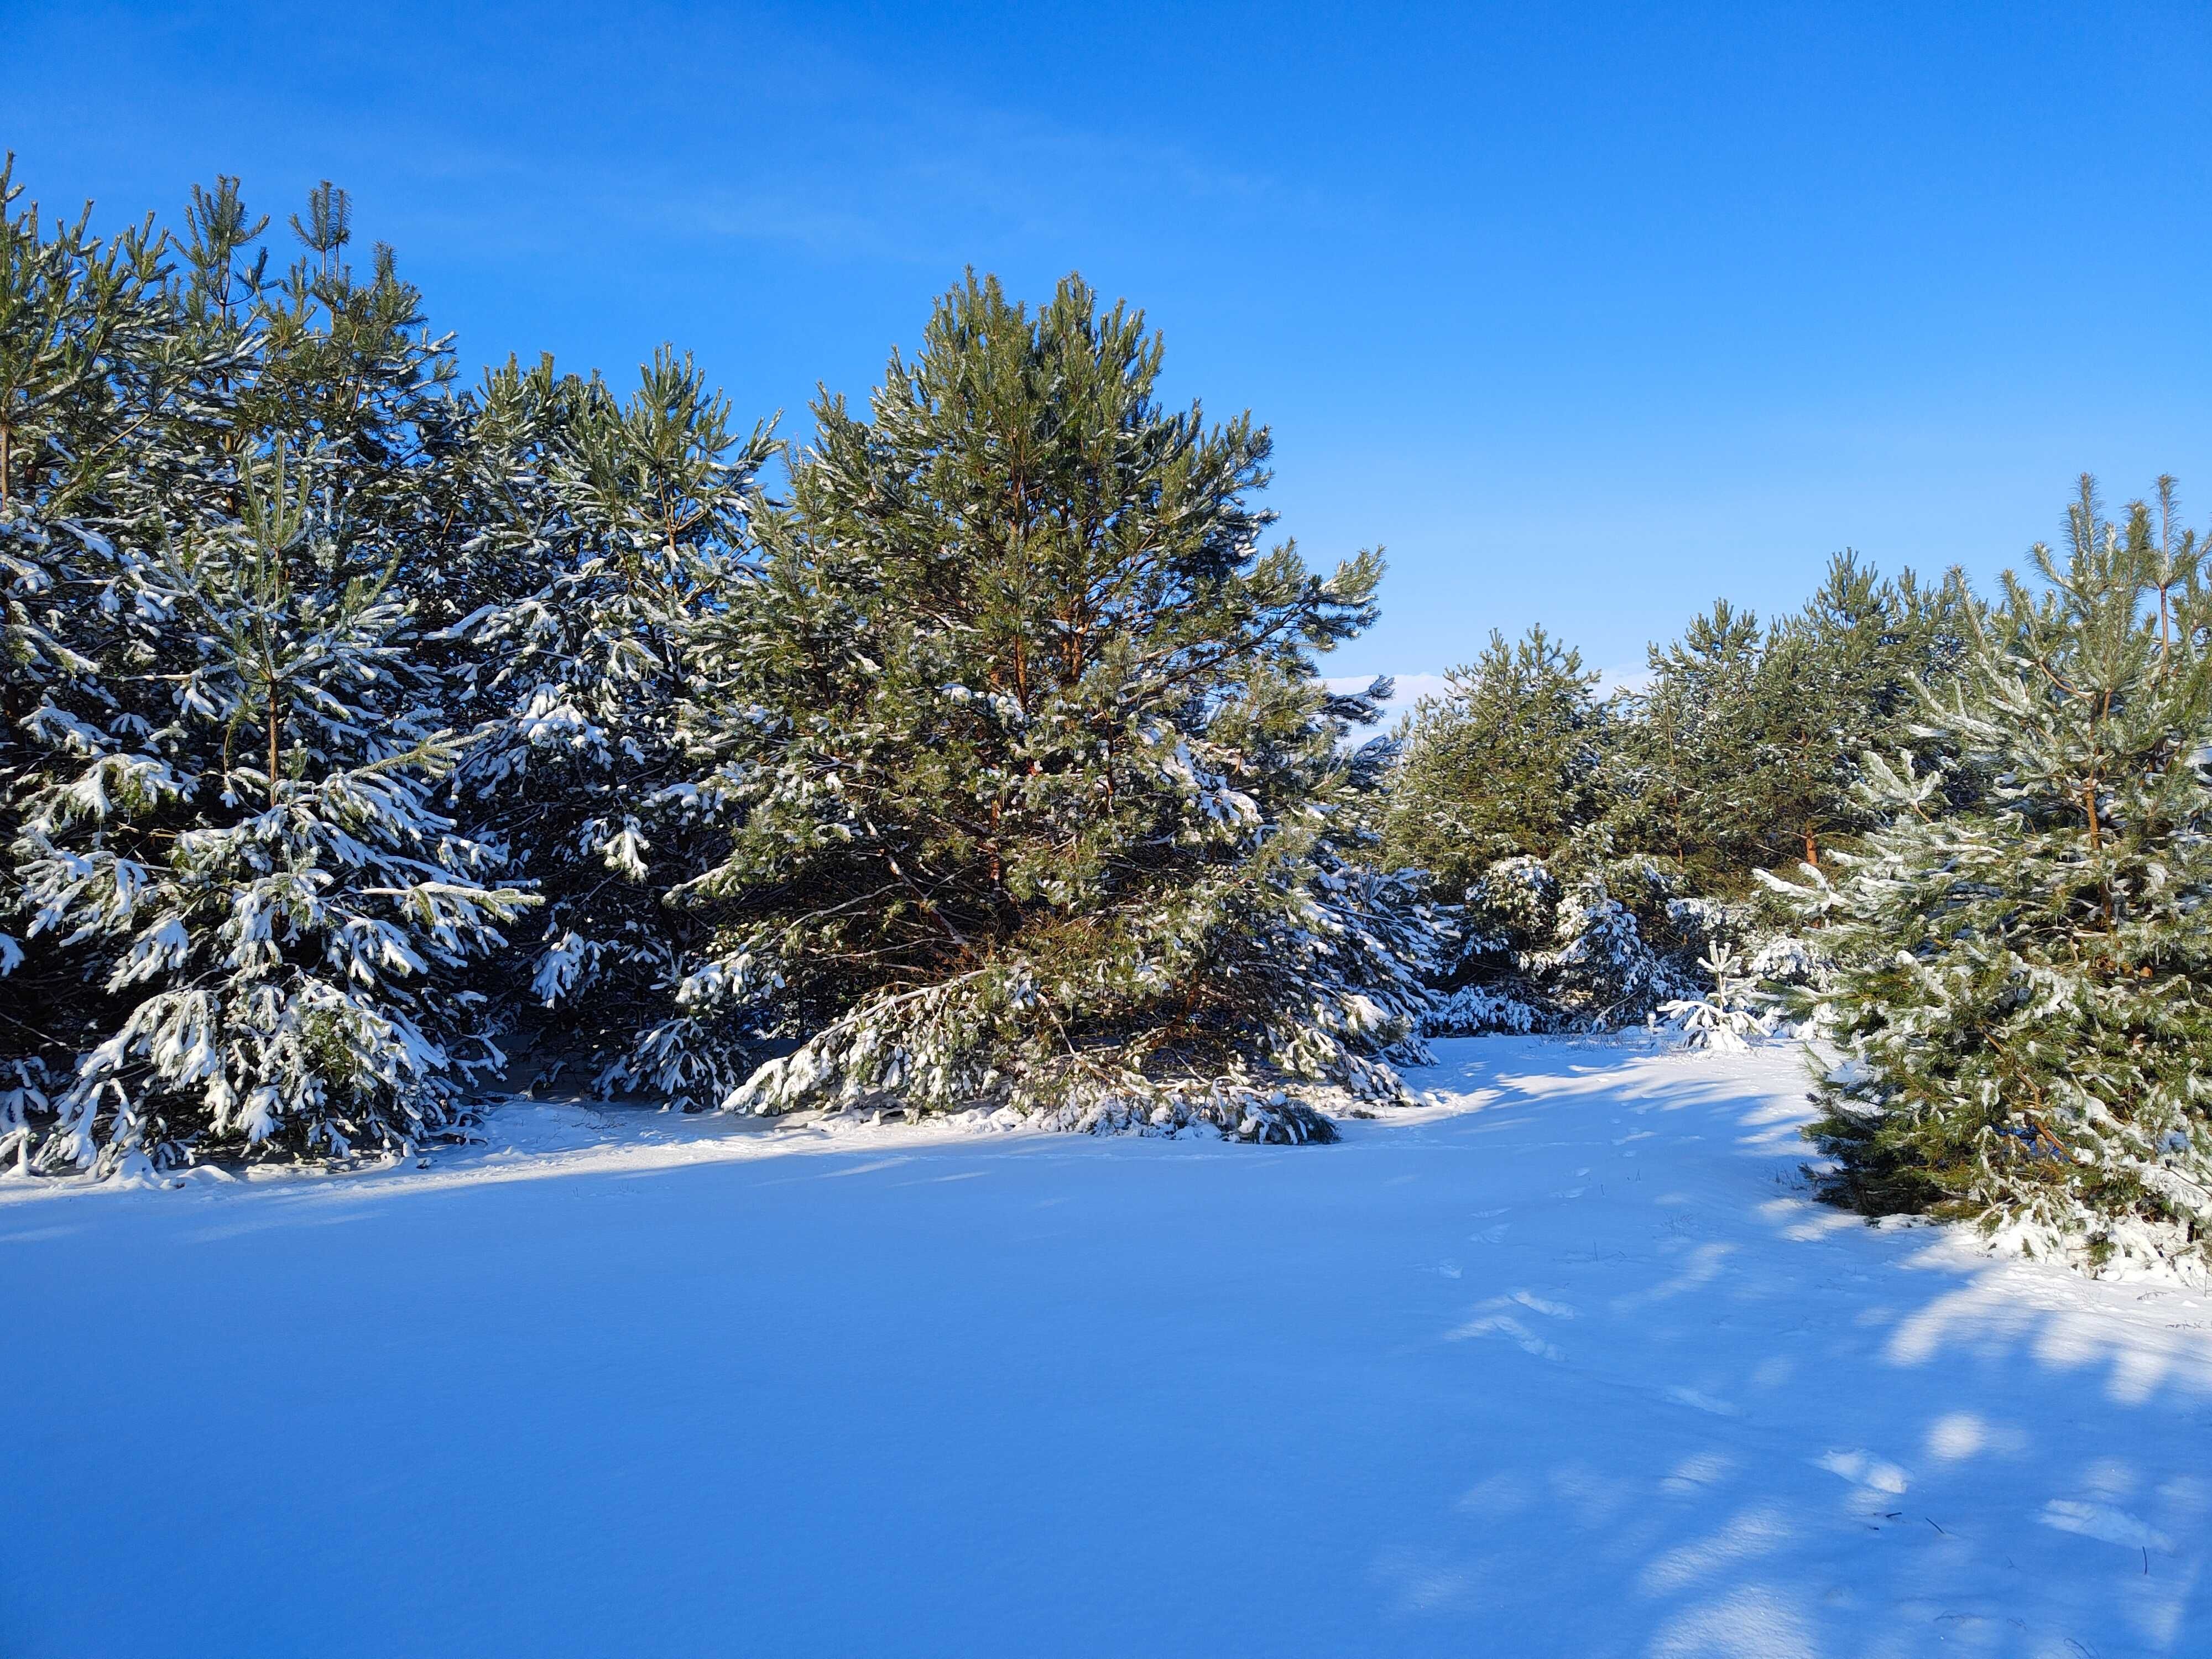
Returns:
(1587, 314)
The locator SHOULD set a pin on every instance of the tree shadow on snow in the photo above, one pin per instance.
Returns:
(1718, 1417)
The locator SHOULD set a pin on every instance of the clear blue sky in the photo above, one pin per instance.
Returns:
(1588, 314)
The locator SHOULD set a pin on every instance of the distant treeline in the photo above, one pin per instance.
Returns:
(1740, 750)
(1963, 842)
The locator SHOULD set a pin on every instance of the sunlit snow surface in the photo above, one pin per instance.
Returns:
(1564, 1364)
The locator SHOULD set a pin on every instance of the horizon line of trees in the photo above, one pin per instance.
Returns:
(1605, 849)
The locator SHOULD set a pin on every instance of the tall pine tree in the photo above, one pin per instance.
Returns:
(1043, 805)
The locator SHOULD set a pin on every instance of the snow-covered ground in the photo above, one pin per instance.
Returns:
(1565, 1363)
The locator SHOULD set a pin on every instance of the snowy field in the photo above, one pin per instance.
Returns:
(1564, 1364)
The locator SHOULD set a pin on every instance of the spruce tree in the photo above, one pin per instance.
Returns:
(1041, 805)
(2023, 986)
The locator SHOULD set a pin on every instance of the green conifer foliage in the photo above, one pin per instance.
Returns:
(243, 919)
(2024, 984)
(80, 319)
(610, 527)
(1042, 804)
(1691, 748)
(1507, 762)
(1742, 752)
(1834, 681)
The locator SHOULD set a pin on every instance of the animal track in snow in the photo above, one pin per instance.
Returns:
(2103, 1521)
(1863, 1468)
(1493, 1320)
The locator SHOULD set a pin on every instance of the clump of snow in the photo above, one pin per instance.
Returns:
(1785, 959)
(1479, 1010)
(2119, 1247)
(1731, 1017)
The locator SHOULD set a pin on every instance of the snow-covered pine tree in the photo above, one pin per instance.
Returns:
(225, 833)
(1729, 1017)
(1508, 763)
(1584, 940)
(77, 314)
(610, 530)
(1502, 793)
(2023, 987)
(1043, 806)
